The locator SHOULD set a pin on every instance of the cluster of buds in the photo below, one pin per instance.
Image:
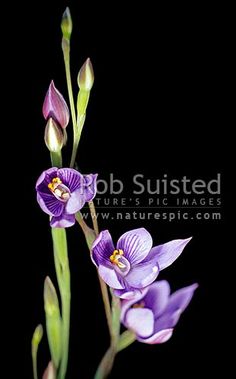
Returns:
(56, 113)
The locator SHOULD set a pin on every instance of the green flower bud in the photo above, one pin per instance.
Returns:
(37, 336)
(53, 321)
(66, 24)
(36, 339)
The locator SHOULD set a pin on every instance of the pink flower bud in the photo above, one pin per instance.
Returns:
(55, 106)
(50, 372)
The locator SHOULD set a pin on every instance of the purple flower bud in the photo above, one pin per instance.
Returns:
(54, 106)
(86, 76)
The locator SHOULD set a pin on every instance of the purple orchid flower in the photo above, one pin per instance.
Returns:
(153, 314)
(63, 192)
(133, 264)
(55, 107)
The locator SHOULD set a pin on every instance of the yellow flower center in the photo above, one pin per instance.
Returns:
(59, 189)
(114, 258)
(139, 305)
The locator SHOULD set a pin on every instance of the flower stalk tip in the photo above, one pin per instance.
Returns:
(36, 339)
(37, 336)
(66, 24)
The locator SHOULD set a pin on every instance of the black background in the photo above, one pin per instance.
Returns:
(158, 106)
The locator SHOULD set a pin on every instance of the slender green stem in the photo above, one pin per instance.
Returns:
(90, 236)
(106, 303)
(56, 159)
(63, 277)
(66, 55)
(107, 361)
(126, 338)
(35, 373)
(94, 216)
(106, 364)
(89, 233)
(112, 316)
(77, 135)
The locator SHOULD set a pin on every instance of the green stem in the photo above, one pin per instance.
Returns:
(35, 373)
(113, 319)
(63, 277)
(66, 55)
(106, 303)
(106, 364)
(93, 216)
(56, 159)
(89, 233)
(107, 361)
(90, 236)
(126, 338)
(103, 285)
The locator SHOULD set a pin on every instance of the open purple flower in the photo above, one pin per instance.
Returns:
(153, 314)
(63, 192)
(133, 264)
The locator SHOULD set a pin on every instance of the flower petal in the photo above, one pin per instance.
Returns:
(167, 321)
(50, 204)
(181, 298)
(75, 202)
(140, 320)
(136, 244)
(71, 178)
(90, 186)
(142, 275)
(102, 249)
(159, 337)
(167, 253)
(63, 221)
(128, 294)
(177, 304)
(130, 298)
(44, 179)
(55, 106)
(157, 297)
(109, 276)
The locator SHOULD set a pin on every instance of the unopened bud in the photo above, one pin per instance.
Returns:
(86, 76)
(66, 24)
(53, 321)
(50, 372)
(37, 336)
(53, 136)
(55, 106)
